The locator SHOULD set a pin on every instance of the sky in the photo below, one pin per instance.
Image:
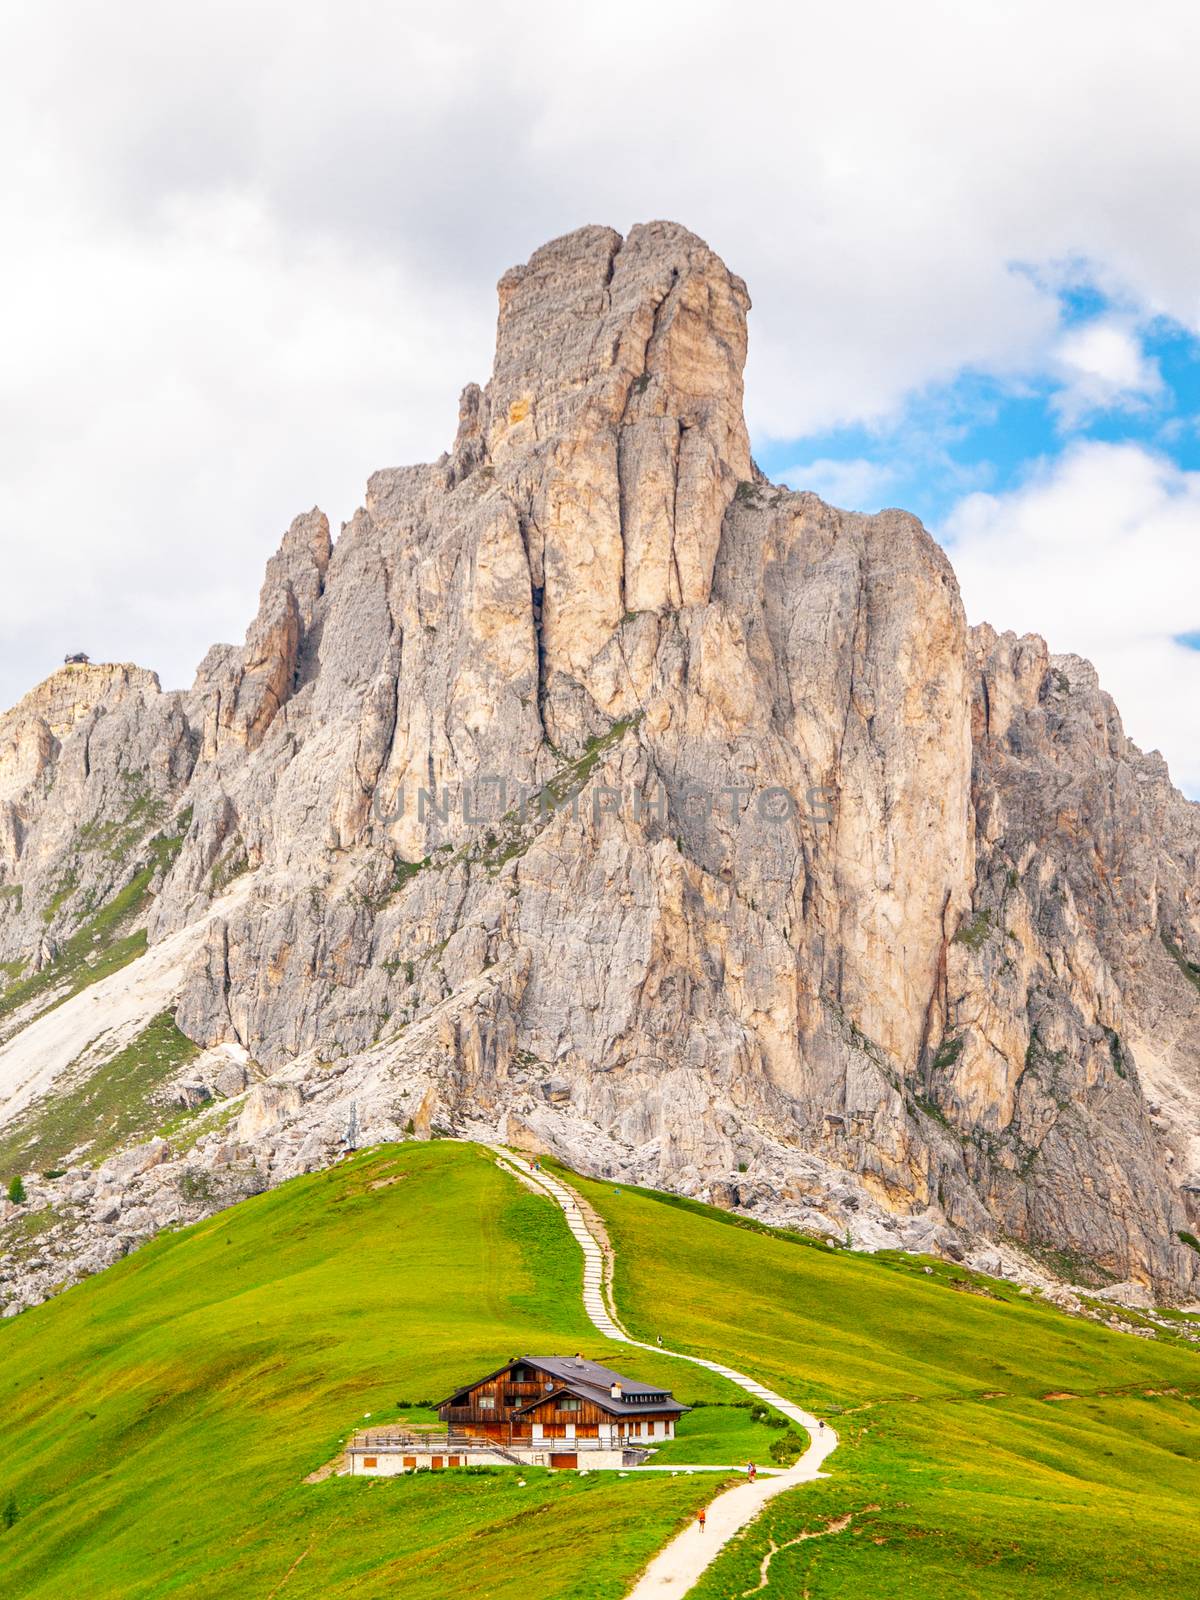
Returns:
(251, 255)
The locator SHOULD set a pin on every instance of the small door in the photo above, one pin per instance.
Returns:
(454, 1461)
(564, 1462)
(435, 1462)
(410, 1463)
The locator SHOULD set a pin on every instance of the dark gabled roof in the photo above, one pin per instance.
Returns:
(589, 1381)
(654, 1403)
(578, 1370)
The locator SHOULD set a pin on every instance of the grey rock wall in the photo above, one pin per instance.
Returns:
(950, 983)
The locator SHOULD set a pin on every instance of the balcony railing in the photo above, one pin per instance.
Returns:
(412, 1443)
(474, 1414)
(401, 1443)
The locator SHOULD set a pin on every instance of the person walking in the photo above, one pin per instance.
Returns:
(751, 1471)
(701, 1518)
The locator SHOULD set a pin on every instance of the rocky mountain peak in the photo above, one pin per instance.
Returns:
(593, 790)
(614, 415)
(603, 332)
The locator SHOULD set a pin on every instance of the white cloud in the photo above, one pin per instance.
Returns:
(1103, 368)
(1100, 553)
(857, 484)
(251, 255)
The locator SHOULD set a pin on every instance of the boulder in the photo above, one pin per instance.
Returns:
(268, 1106)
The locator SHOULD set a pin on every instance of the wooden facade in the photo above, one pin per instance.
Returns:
(550, 1398)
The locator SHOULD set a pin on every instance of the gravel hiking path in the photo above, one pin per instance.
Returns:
(678, 1565)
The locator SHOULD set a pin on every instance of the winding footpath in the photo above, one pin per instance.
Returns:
(678, 1565)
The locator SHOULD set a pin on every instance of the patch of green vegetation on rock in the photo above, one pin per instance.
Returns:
(63, 891)
(115, 839)
(111, 1106)
(403, 872)
(21, 1235)
(105, 941)
(1189, 969)
(576, 774)
(516, 830)
(1116, 1052)
(976, 933)
(229, 866)
(947, 1053)
(96, 949)
(186, 1127)
(930, 1108)
(1072, 1266)
(1038, 1053)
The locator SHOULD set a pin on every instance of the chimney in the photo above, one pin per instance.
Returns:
(616, 1391)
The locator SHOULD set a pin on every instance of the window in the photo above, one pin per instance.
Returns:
(486, 1402)
(519, 1375)
(370, 1461)
(568, 1404)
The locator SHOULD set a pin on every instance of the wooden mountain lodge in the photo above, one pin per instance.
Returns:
(553, 1411)
(537, 1398)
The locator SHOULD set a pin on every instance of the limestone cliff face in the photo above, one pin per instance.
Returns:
(594, 788)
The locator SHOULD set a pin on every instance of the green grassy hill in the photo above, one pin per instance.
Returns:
(991, 1446)
(157, 1423)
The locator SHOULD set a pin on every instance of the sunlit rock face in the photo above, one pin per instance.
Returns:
(593, 789)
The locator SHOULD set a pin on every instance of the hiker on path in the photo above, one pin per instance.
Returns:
(751, 1471)
(701, 1518)
(660, 1340)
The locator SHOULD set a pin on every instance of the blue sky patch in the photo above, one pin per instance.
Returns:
(984, 433)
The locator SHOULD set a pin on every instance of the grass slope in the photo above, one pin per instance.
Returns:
(157, 1422)
(963, 1469)
(105, 940)
(106, 1108)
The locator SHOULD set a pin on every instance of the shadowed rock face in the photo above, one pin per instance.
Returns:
(948, 979)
